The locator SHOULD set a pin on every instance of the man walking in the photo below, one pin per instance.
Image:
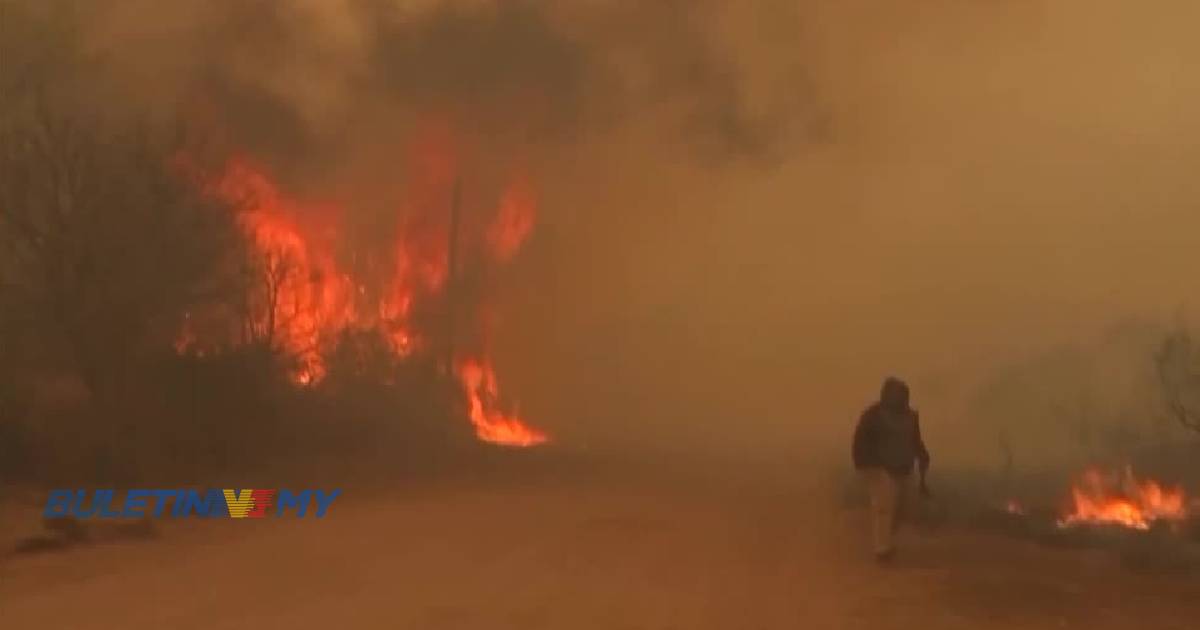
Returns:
(887, 441)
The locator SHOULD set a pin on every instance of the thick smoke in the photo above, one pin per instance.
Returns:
(314, 84)
(952, 188)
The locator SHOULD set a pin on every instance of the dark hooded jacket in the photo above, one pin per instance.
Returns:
(888, 434)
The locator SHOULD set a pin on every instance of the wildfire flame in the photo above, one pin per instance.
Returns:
(1123, 500)
(514, 220)
(304, 297)
(491, 423)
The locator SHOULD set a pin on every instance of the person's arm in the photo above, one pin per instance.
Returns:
(922, 453)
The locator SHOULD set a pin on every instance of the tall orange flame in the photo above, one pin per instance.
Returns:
(303, 298)
(491, 423)
(514, 220)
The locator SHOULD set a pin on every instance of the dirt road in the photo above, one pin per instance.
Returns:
(605, 553)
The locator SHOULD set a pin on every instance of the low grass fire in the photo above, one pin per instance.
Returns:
(1122, 499)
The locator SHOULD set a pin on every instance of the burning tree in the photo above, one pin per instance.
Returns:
(158, 275)
(308, 286)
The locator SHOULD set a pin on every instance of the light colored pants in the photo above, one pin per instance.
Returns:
(888, 495)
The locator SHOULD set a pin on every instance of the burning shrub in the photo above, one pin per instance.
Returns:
(204, 309)
(305, 299)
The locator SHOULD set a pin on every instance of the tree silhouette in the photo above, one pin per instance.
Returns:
(1178, 364)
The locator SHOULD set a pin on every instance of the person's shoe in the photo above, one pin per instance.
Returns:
(885, 557)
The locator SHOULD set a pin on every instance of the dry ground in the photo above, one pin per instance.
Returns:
(576, 552)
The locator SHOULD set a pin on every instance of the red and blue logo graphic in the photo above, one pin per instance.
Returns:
(211, 503)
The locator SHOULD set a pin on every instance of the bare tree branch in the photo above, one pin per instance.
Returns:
(1177, 363)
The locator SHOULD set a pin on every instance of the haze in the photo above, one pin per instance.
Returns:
(577, 304)
(751, 212)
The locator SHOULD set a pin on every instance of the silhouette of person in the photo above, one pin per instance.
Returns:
(887, 442)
